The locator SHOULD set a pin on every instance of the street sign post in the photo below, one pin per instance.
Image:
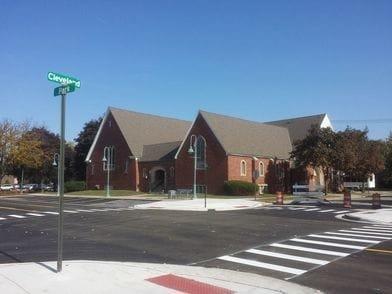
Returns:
(62, 90)
(63, 79)
(68, 86)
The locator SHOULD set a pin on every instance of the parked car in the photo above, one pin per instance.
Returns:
(7, 187)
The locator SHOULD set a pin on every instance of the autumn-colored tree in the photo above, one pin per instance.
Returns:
(386, 176)
(317, 150)
(26, 153)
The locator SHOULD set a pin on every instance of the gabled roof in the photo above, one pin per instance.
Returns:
(244, 137)
(300, 126)
(140, 129)
(160, 152)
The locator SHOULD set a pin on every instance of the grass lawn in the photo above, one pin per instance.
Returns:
(103, 193)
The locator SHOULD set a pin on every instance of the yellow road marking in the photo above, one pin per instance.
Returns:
(379, 250)
(13, 208)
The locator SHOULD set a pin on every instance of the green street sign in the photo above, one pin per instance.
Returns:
(62, 79)
(62, 90)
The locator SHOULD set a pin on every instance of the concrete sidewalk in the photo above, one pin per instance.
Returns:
(382, 216)
(199, 205)
(128, 277)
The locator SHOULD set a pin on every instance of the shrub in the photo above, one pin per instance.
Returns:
(240, 188)
(72, 186)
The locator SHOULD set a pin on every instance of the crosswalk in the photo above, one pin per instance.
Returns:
(306, 209)
(298, 255)
(46, 213)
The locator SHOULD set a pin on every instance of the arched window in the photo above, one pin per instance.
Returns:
(201, 152)
(261, 169)
(172, 172)
(243, 168)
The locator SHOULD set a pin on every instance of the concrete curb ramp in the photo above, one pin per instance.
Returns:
(127, 277)
(198, 205)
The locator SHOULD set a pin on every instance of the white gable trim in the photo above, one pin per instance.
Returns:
(186, 136)
(97, 135)
(326, 122)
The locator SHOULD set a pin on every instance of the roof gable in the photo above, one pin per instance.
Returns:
(299, 127)
(239, 136)
(141, 129)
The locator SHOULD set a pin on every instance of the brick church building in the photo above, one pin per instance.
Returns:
(150, 153)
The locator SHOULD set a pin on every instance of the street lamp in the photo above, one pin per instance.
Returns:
(193, 151)
(108, 160)
(55, 164)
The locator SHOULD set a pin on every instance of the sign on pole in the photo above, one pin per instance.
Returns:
(68, 85)
(62, 90)
(63, 79)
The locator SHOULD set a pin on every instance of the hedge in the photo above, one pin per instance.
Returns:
(73, 186)
(240, 188)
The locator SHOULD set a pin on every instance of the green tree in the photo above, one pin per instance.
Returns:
(357, 156)
(317, 150)
(386, 175)
(83, 143)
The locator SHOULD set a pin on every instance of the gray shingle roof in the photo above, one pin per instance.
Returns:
(141, 129)
(239, 136)
(160, 152)
(300, 126)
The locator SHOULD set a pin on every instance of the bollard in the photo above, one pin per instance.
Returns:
(279, 198)
(376, 201)
(347, 199)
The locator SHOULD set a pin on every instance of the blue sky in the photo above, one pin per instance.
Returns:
(259, 60)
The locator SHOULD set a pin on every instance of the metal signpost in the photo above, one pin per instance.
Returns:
(68, 85)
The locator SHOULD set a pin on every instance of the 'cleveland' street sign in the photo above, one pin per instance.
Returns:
(62, 79)
(62, 90)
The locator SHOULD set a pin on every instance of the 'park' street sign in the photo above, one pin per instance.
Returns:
(62, 90)
(62, 79)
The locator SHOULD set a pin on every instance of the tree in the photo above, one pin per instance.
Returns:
(317, 150)
(26, 153)
(357, 156)
(83, 143)
(8, 137)
(387, 152)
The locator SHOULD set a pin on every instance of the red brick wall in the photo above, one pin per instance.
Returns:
(111, 136)
(269, 178)
(216, 159)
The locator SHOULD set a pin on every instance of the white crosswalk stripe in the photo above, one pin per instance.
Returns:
(70, 211)
(328, 243)
(327, 210)
(344, 239)
(51, 212)
(373, 230)
(280, 256)
(35, 214)
(288, 256)
(365, 232)
(379, 229)
(2, 218)
(308, 249)
(270, 266)
(16, 216)
(342, 211)
(312, 209)
(356, 235)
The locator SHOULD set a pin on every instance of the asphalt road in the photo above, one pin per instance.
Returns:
(262, 240)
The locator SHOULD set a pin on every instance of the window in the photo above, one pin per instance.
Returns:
(144, 173)
(109, 156)
(126, 166)
(201, 152)
(172, 172)
(92, 169)
(261, 169)
(243, 168)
